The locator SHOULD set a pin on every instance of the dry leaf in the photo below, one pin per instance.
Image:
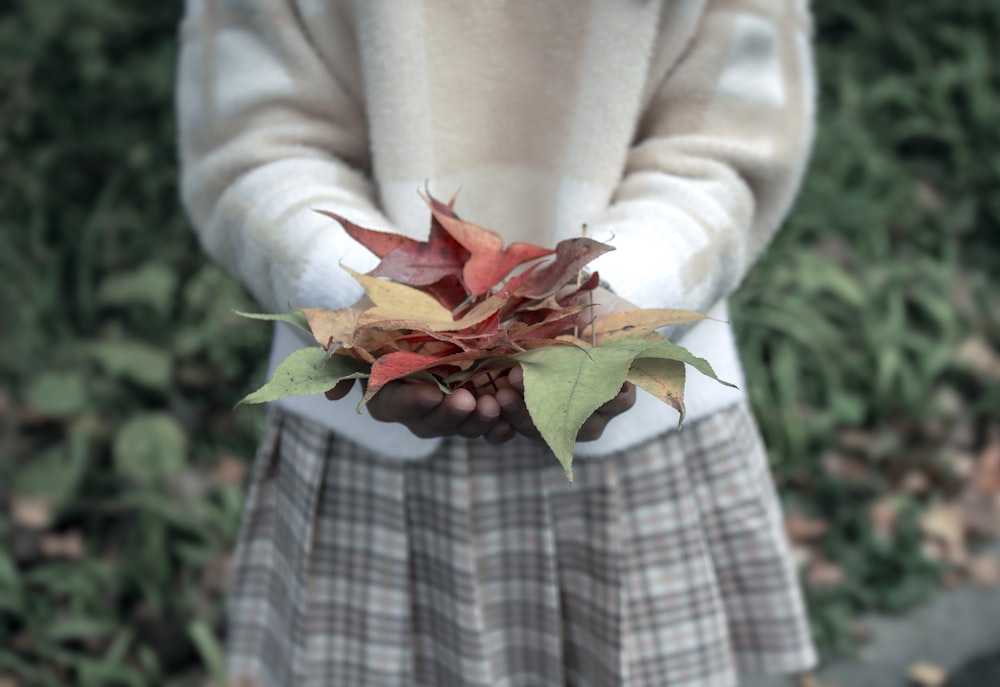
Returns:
(31, 512)
(977, 354)
(915, 482)
(230, 470)
(884, 514)
(981, 512)
(803, 555)
(925, 674)
(984, 570)
(9, 681)
(69, 545)
(802, 528)
(987, 471)
(846, 468)
(823, 573)
(810, 680)
(944, 523)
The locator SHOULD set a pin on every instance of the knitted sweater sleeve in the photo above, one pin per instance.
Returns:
(717, 160)
(269, 131)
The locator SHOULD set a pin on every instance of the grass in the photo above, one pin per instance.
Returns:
(120, 359)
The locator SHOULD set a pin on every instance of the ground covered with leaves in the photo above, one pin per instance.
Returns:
(870, 336)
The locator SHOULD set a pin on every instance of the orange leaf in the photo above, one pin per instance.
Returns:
(489, 261)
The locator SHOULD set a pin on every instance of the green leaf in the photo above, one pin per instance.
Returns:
(58, 395)
(564, 385)
(139, 362)
(665, 350)
(297, 318)
(149, 447)
(209, 649)
(152, 284)
(306, 371)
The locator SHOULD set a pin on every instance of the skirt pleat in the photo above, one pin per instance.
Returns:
(482, 566)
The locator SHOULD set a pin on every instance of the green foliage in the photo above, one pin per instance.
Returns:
(853, 319)
(111, 319)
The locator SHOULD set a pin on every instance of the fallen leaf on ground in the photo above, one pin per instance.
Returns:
(945, 524)
(984, 570)
(810, 680)
(31, 512)
(987, 470)
(823, 573)
(925, 674)
(230, 470)
(846, 468)
(977, 354)
(802, 528)
(69, 545)
(884, 514)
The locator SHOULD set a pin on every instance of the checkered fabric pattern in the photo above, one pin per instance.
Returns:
(665, 565)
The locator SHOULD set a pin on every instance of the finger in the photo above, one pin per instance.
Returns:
(501, 432)
(342, 388)
(404, 401)
(516, 378)
(516, 413)
(620, 403)
(486, 414)
(445, 418)
(593, 428)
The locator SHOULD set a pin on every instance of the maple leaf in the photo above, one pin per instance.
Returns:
(409, 261)
(635, 323)
(451, 311)
(572, 255)
(489, 261)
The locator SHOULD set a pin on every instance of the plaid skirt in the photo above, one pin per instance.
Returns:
(482, 566)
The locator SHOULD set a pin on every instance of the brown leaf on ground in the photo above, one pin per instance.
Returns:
(823, 573)
(981, 512)
(961, 463)
(230, 470)
(9, 681)
(915, 482)
(810, 680)
(846, 468)
(987, 472)
(925, 674)
(984, 570)
(802, 528)
(31, 512)
(884, 514)
(978, 355)
(69, 545)
(945, 524)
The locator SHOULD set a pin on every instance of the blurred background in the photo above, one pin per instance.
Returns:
(870, 335)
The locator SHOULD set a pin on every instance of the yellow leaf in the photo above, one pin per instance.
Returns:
(927, 674)
(399, 302)
(662, 378)
(328, 326)
(634, 323)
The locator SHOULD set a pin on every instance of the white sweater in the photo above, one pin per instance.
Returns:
(677, 130)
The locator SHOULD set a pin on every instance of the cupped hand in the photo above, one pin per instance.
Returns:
(513, 409)
(427, 412)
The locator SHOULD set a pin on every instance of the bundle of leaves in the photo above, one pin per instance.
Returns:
(461, 310)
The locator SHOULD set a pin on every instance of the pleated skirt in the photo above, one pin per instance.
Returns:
(482, 566)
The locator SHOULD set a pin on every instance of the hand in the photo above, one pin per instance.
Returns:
(511, 399)
(427, 412)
